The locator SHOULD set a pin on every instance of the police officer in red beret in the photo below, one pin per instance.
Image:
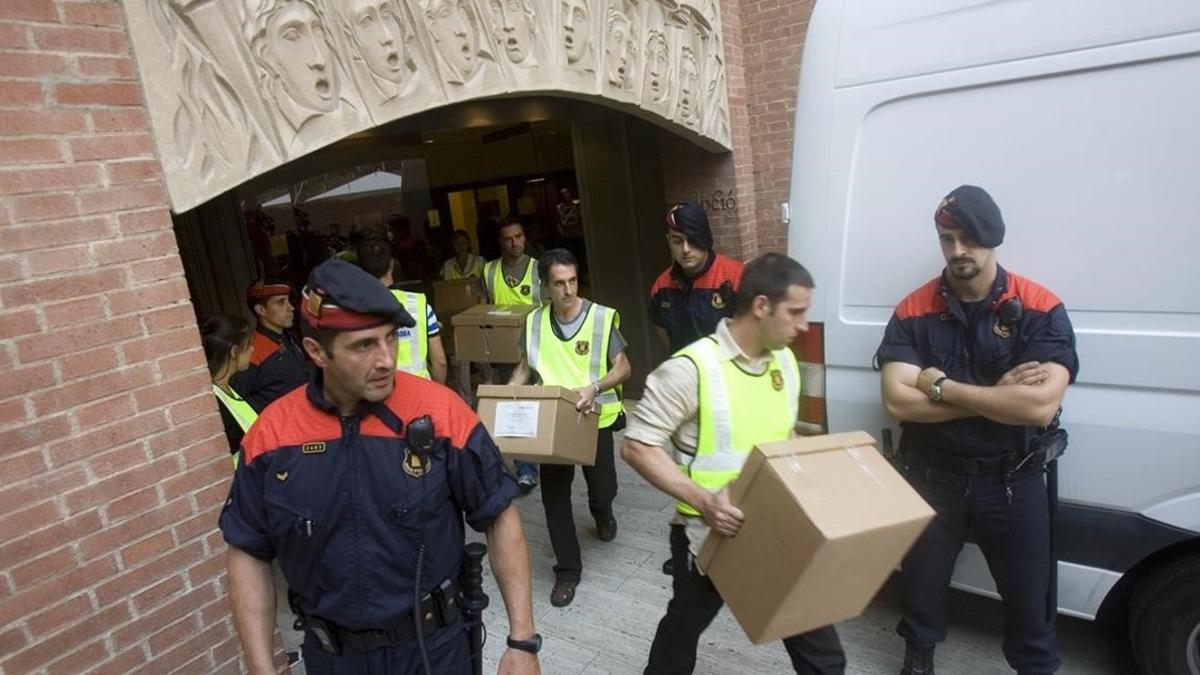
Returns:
(975, 364)
(277, 364)
(359, 485)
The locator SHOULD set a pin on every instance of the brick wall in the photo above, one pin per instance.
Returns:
(112, 460)
(763, 44)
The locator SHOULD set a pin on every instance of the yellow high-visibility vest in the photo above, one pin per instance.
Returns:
(242, 412)
(528, 290)
(738, 410)
(450, 271)
(578, 361)
(412, 344)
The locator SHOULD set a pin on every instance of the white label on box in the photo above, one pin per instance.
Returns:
(501, 312)
(516, 419)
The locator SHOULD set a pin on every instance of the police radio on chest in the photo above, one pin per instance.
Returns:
(420, 435)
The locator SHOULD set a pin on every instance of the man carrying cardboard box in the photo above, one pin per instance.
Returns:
(512, 279)
(576, 343)
(465, 265)
(687, 400)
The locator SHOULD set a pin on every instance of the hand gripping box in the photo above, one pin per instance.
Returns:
(538, 424)
(827, 520)
(490, 333)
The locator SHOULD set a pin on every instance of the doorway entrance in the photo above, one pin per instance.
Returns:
(576, 174)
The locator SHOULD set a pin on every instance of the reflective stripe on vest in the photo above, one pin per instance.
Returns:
(242, 412)
(412, 344)
(738, 410)
(575, 362)
(500, 293)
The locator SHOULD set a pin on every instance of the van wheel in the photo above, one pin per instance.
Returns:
(1164, 619)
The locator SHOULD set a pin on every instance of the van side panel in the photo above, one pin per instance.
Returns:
(1088, 136)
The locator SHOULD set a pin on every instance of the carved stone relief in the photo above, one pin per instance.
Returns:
(237, 87)
(520, 31)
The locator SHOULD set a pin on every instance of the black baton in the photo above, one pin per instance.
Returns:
(474, 601)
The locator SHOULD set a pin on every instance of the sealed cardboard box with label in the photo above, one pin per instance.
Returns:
(490, 333)
(538, 424)
(827, 520)
(454, 296)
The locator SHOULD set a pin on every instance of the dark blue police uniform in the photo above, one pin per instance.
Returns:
(354, 514)
(967, 468)
(277, 366)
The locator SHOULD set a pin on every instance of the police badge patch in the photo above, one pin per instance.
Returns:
(414, 464)
(1001, 329)
(718, 302)
(525, 290)
(777, 379)
(582, 347)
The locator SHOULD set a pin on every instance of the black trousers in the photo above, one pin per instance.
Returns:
(1008, 517)
(556, 500)
(694, 606)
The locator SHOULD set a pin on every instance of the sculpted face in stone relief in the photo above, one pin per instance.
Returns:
(291, 47)
(375, 28)
(515, 27)
(654, 80)
(577, 32)
(689, 87)
(455, 31)
(619, 49)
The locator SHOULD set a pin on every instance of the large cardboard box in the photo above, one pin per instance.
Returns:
(538, 424)
(490, 333)
(452, 297)
(827, 520)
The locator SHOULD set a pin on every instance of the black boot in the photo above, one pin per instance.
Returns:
(918, 659)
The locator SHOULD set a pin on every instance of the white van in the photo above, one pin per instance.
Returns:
(1082, 119)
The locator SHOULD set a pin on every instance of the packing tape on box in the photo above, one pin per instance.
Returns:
(856, 453)
(809, 485)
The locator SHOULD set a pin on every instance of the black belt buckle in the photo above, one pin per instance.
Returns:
(325, 633)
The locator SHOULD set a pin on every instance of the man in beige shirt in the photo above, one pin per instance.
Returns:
(771, 305)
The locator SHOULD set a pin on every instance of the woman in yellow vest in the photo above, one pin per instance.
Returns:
(227, 348)
(713, 402)
(576, 343)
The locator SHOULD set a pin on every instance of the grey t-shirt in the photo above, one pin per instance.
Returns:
(566, 331)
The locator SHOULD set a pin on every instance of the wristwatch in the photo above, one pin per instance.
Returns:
(596, 388)
(935, 389)
(532, 645)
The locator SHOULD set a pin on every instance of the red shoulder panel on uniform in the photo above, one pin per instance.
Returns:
(723, 269)
(1033, 295)
(664, 280)
(262, 349)
(415, 396)
(290, 420)
(924, 300)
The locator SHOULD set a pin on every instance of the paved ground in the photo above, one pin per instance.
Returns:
(609, 627)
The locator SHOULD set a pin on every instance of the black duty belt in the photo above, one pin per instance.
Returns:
(972, 466)
(437, 610)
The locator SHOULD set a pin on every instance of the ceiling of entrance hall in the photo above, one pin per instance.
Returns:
(237, 87)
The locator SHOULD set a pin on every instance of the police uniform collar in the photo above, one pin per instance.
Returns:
(277, 338)
(315, 392)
